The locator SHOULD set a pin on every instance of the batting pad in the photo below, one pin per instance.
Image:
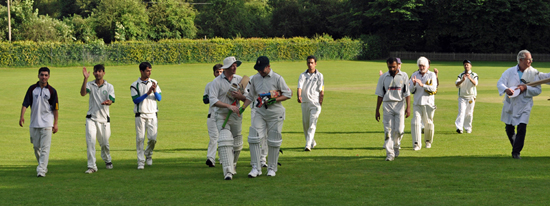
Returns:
(225, 138)
(272, 157)
(226, 159)
(254, 154)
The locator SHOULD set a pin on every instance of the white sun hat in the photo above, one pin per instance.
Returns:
(227, 62)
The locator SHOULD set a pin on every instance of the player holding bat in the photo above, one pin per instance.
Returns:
(225, 93)
(267, 119)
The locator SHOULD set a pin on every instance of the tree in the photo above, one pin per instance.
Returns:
(120, 20)
(171, 19)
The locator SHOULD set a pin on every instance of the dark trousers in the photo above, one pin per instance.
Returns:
(517, 144)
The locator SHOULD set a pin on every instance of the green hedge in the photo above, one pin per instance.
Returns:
(18, 54)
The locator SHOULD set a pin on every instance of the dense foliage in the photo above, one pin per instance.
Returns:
(489, 26)
(31, 53)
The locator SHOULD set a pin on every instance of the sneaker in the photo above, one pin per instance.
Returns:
(109, 165)
(396, 151)
(516, 156)
(263, 164)
(90, 171)
(389, 158)
(307, 149)
(40, 174)
(458, 131)
(254, 172)
(228, 176)
(428, 145)
(416, 147)
(314, 144)
(140, 167)
(468, 131)
(270, 173)
(209, 163)
(149, 161)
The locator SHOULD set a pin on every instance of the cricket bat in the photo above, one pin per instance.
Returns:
(242, 87)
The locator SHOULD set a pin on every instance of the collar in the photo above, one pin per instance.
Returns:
(224, 77)
(104, 81)
(307, 71)
(38, 84)
(141, 81)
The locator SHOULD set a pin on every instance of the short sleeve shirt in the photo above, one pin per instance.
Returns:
(393, 89)
(99, 94)
(311, 84)
(43, 102)
(260, 85)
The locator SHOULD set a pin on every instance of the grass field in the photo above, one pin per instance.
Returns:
(346, 168)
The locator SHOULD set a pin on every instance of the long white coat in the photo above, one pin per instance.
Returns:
(516, 110)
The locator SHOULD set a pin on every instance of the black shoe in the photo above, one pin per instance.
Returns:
(422, 130)
(458, 131)
(516, 156)
(209, 163)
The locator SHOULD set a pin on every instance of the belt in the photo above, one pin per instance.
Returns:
(208, 116)
(89, 116)
(139, 114)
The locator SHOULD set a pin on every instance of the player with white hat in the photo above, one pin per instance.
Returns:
(423, 85)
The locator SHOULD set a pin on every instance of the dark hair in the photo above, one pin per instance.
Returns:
(144, 65)
(43, 69)
(312, 57)
(217, 67)
(391, 60)
(99, 67)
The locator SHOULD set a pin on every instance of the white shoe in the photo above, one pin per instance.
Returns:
(428, 145)
(389, 158)
(263, 164)
(149, 161)
(140, 167)
(90, 171)
(228, 176)
(416, 148)
(314, 144)
(307, 149)
(254, 172)
(270, 173)
(468, 131)
(109, 165)
(40, 174)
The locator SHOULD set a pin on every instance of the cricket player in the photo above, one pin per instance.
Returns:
(98, 122)
(224, 94)
(393, 93)
(263, 141)
(145, 94)
(423, 85)
(517, 107)
(211, 121)
(310, 94)
(269, 116)
(467, 92)
(44, 114)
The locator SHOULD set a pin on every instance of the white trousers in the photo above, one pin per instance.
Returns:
(394, 126)
(263, 140)
(422, 114)
(102, 132)
(273, 128)
(41, 139)
(465, 113)
(310, 115)
(213, 133)
(143, 125)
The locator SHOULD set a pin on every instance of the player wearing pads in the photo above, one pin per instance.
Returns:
(467, 92)
(310, 94)
(423, 85)
(145, 94)
(44, 113)
(211, 121)
(224, 94)
(393, 93)
(269, 115)
(98, 122)
(263, 141)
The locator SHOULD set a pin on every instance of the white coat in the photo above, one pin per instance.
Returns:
(516, 110)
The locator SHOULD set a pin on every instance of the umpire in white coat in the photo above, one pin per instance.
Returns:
(517, 108)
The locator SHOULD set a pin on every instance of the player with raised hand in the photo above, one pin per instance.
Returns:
(98, 121)
(145, 94)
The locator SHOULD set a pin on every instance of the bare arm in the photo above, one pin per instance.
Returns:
(299, 92)
(55, 115)
(378, 103)
(22, 118)
(408, 109)
(321, 96)
(83, 88)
